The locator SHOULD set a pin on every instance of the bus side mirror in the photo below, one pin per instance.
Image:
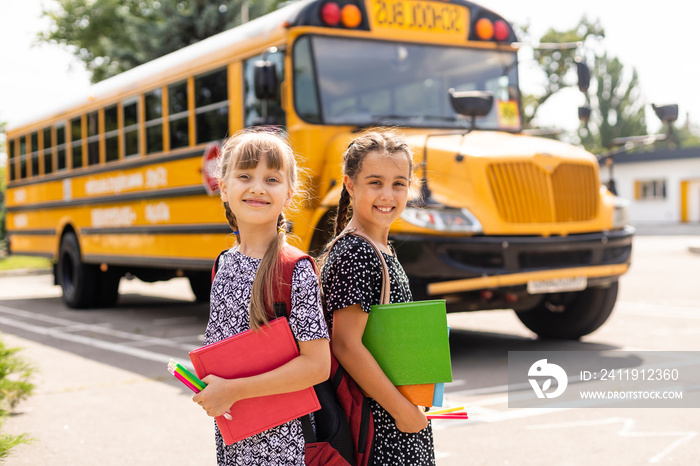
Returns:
(666, 113)
(584, 76)
(265, 79)
(471, 103)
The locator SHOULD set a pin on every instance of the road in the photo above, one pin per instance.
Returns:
(658, 310)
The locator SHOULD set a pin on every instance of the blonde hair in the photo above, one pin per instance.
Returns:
(244, 151)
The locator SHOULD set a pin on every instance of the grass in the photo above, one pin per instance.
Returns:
(24, 262)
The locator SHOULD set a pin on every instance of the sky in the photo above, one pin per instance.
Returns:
(658, 43)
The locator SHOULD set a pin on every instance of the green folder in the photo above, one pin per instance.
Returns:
(410, 341)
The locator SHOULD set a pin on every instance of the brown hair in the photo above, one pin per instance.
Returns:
(244, 151)
(385, 142)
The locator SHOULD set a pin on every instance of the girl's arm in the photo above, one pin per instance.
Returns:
(311, 367)
(348, 326)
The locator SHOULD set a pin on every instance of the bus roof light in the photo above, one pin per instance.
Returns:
(500, 31)
(484, 29)
(351, 16)
(330, 14)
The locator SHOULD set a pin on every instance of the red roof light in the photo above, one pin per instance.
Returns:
(330, 14)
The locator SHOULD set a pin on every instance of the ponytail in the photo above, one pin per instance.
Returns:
(341, 219)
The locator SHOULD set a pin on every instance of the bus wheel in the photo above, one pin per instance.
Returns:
(201, 286)
(78, 280)
(570, 316)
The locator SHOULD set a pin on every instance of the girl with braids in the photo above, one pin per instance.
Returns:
(377, 168)
(258, 177)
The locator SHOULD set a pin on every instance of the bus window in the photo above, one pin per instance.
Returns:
(407, 84)
(262, 112)
(131, 128)
(93, 138)
(305, 95)
(61, 146)
(76, 142)
(154, 121)
(11, 163)
(211, 105)
(34, 141)
(178, 115)
(48, 152)
(22, 157)
(111, 133)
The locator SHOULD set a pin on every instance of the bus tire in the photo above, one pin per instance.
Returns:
(201, 286)
(569, 316)
(78, 280)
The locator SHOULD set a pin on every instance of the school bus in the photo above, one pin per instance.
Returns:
(119, 182)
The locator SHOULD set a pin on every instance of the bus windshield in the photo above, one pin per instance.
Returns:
(362, 82)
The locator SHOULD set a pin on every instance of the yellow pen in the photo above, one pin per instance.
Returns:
(446, 410)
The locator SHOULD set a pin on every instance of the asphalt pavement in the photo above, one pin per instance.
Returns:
(84, 413)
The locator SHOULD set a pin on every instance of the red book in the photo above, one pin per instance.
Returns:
(251, 353)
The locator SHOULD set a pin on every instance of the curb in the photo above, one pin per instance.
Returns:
(24, 272)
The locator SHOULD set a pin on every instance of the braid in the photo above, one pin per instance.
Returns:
(231, 218)
(341, 219)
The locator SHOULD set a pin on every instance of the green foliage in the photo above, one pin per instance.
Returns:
(558, 65)
(112, 36)
(614, 95)
(618, 106)
(15, 386)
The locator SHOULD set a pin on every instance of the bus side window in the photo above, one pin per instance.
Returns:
(22, 157)
(48, 152)
(178, 116)
(76, 142)
(259, 112)
(111, 133)
(93, 138)
(131, 128)
(305, 94)
(154, 121)
(211, 105)
(61, 146)
(11, 163)
(34, 140)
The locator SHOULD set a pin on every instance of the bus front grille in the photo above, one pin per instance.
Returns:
(525, 192)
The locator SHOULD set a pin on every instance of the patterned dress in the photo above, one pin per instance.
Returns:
(229, 315)
(352, 275)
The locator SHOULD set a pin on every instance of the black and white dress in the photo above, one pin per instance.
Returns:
(229, 315)
(352, 275)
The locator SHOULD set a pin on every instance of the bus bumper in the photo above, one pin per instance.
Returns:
(441, 266)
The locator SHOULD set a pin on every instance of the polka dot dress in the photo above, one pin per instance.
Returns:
(353, 275)
(229, 315)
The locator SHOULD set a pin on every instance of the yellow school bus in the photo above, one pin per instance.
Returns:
(119, 182)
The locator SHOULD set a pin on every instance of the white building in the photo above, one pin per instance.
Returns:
(662, 186)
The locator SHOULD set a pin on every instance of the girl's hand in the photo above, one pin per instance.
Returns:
(412, 420)
(218, 396)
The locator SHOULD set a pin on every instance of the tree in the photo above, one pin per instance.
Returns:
(112, 36)
(558, 64)
(615, 97)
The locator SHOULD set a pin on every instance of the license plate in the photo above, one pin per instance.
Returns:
(556, 285)
(420, 16)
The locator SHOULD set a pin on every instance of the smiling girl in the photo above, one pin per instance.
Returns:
(377, 168)
(257, 178)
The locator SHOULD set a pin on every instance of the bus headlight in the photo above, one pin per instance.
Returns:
(620, 216)
(442, 219)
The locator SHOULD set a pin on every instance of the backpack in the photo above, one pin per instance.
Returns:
(345, 419)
